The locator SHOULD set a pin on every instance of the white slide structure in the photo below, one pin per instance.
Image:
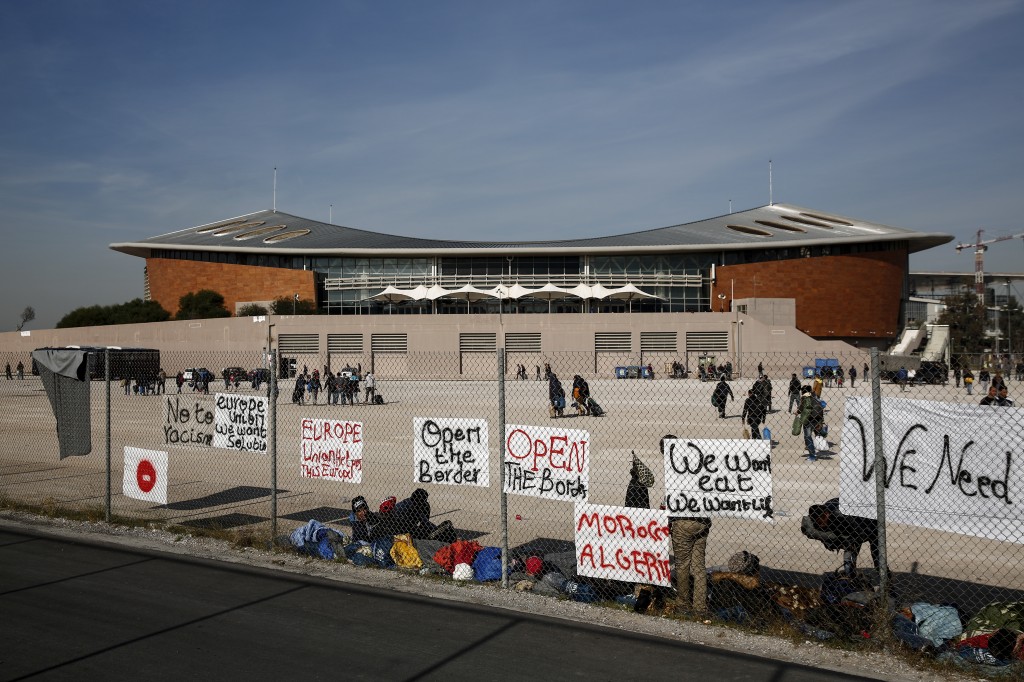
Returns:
(910, 341)
(938, 340)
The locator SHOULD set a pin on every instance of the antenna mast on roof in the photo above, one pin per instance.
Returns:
(330, 215)
(730, 206)
(771, 202)
(275, 190)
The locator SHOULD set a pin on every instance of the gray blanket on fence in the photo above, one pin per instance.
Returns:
(65, 377)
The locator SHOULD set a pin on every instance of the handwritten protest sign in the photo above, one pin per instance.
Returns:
(332, 450)
(622, 543)
(187, 422)
(450, 450)
(949, 466)
(241, 422)
(547, 461)
(719, 478)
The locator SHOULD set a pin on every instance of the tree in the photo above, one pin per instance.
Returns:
(27, 315)
(251, 310)
(283, 306)
(201, 305)
(132, 312)
(965, 315)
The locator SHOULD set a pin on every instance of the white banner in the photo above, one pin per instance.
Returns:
(240, 422)
(547, 461)
(622, 543)
(145, 475)
(950, 466)
(332, 450)
(719, 478)
(450, 450)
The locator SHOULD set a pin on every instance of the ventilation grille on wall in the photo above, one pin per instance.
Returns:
(345, 343)
(298, 343)
(522, 342)
(654, 342)
(389, 343)
(717, 342)
(478, 343)
(613, 342)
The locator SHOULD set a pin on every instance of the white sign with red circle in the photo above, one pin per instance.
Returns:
(145, 475)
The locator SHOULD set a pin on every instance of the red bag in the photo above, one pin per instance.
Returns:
(459, 552)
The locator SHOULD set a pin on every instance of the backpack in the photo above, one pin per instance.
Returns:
(404, 553)
(487, 564)
(378, 399)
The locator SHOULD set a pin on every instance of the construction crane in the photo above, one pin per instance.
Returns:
(980, 247)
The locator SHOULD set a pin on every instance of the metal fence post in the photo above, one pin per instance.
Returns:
(880, 472)
(501, 468)
(272, 437)
(106, 377)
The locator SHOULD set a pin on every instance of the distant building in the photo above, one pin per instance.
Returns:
(849, 278)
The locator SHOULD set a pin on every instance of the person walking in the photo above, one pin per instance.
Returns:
(969, 381)
(719, 395)
(754, 413)
(811, 416)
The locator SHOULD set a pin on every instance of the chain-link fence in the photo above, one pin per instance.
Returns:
(744, 488)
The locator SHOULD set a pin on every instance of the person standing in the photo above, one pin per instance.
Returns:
(556, 395)
(867, 372)
(969, 381)
(370, 383)
(21, 370)
(689, 550)
(853, 375)
(8, 372)
(719, 395)
(956, 376)
(315, 385)
(794, 393)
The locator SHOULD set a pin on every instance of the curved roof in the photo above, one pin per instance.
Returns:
(777, 225)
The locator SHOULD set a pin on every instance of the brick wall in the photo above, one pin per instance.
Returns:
(855, 295)
(171, 279)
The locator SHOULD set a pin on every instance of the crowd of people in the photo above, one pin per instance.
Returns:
(341, 387)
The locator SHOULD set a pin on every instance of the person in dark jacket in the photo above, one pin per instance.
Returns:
(367, 526)
(794, 392)
(755, 411)
(556, 394)
(837, 531)
(640, 479)
(412, 515)
(580, 393)
(718, 397)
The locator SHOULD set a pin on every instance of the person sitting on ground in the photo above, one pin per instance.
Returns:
(838, 531)
(412, 515)
(367, 526)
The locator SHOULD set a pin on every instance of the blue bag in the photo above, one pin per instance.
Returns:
(382, 552)
(487, 564)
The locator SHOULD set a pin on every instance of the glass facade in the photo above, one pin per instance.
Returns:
(681, 281)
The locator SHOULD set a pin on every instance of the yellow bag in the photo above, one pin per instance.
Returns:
(404, 552)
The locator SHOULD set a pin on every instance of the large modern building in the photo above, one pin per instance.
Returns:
(849, 278)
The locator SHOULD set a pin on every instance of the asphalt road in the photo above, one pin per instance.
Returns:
(88, 611)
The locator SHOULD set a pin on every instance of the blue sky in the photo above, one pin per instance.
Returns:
(486, 120)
